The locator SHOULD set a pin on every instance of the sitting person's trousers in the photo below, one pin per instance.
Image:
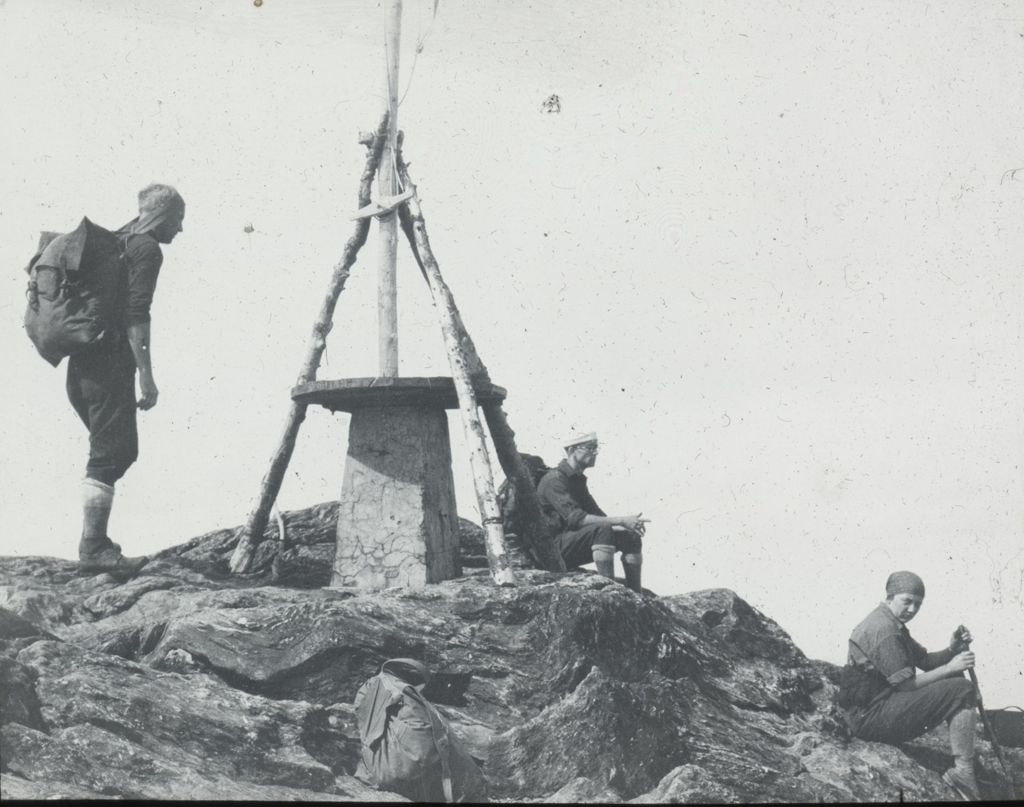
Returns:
(903, 716)
(576, 546)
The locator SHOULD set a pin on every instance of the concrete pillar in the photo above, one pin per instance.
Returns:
(397, 522)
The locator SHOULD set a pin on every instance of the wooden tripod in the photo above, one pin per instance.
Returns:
(466, 366)
(398, 200)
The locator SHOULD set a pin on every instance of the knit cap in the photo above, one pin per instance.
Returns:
(904, 583)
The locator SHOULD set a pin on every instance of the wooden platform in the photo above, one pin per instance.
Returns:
(352, 394)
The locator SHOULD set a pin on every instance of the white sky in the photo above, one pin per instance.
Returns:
(769, 251)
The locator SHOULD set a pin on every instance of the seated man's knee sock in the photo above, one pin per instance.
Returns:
(961, 738)
(631, 564)
(604, 559)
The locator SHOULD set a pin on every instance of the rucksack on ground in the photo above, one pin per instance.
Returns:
(72, 289)
(408, 747)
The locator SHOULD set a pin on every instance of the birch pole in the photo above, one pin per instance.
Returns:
(256, 522)
(538, 536)
(387, 186)
(461, 363)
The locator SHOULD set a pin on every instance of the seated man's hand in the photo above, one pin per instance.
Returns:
(634, 523)
(961, 661)
(961, 639)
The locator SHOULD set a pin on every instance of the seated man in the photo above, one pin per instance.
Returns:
(883, 697)
(582, 532)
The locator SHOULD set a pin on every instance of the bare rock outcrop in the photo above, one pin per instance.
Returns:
(190, 683)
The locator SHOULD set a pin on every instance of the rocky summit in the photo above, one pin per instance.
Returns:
(188, 682)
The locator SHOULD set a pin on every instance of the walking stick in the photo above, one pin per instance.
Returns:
(987, 724)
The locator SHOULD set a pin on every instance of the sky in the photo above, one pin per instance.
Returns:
(770, 252)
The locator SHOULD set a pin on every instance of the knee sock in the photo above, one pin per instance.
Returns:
(97, 501)
(604, 559)
(961, 738)
(631, 564)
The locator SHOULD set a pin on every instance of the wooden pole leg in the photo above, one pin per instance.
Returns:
(256, 523)
(538, 537)
(462, 362)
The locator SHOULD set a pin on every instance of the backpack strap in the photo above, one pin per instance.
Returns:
(445, 754)
(123, 252)
(440, 743)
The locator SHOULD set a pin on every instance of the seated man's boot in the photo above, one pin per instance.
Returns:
(962, 780)
(110, 560)
(960, 777)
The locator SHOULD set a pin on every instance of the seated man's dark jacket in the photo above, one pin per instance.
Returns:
(565, 498)
(882, 643)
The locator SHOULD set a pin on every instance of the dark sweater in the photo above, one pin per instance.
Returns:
(144, 259)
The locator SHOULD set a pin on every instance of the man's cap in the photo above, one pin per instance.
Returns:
(904, 583)
(408, 669)
(157, 204)
(580, 440)
(158, 196)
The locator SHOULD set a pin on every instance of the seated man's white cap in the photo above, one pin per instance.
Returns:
(580, 439)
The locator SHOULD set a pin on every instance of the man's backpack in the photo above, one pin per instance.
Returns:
(72, 289)
(859, 686)
(519, 553)
(408, 747)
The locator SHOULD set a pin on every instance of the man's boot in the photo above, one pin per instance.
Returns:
(961, 739)
(604, 559)
(631, 565)
(96, 552)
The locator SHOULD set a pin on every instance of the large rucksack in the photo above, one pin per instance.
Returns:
(408, 747)
(72, 289)
(520, 554)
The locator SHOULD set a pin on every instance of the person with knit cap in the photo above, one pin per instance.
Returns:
(101, 379)
(885, 699)
(582, 530)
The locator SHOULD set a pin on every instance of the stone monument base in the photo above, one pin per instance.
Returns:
(397, 522)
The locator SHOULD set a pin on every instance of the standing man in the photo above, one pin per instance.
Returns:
(886, 700)
(101, 379)
(582, 530)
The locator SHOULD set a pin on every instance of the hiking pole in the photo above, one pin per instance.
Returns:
(984, 719)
